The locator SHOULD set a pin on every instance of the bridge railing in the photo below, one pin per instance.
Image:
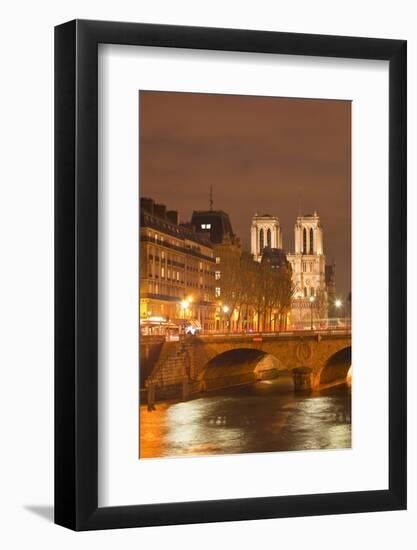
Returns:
(270, 335)
(324, 327)
(332, 323)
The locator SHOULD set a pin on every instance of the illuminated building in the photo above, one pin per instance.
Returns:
(216, 226)
(313, 281)
(176, 269)
(308, 265)
(265, 233)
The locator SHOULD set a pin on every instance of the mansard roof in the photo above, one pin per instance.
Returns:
(219, 221)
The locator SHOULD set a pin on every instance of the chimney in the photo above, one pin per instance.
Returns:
(172, 216)
(147, 204)
(160, 210)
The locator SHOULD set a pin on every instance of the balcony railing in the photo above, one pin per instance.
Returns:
(190, 251)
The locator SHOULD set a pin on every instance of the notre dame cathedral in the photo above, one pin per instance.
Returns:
(313, 281)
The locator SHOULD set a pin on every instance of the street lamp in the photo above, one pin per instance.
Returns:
(225, 311)
(184, 305)
(312, 298)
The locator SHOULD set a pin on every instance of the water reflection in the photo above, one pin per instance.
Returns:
(248, 419)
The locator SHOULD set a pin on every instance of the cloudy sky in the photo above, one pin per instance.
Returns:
(277, 156)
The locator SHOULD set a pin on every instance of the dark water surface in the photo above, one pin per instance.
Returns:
(248, 419)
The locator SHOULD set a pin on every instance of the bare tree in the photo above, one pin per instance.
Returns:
(249, 287)
(321, 305)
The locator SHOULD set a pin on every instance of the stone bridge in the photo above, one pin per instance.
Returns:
(196, 364)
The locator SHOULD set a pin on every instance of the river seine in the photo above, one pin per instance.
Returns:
(248, 419)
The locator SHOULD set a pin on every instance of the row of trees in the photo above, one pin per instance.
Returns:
(257, 295)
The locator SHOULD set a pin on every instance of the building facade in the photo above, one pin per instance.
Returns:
(197, 273)
(308, 263)
(217, 227)
(177, 268)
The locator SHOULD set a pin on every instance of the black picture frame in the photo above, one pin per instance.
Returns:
(76, 272)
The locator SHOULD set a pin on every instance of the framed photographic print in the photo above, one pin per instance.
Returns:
(219, 194)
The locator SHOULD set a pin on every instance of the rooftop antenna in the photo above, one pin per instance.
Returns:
(211, 198)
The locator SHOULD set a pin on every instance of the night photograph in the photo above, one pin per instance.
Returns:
(245, 274)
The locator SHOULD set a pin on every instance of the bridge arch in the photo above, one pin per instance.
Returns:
(338, 367)
(241, 366)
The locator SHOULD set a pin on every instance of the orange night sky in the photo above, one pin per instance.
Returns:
(262, 155)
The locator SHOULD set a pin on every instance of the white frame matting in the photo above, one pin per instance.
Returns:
(123, 478)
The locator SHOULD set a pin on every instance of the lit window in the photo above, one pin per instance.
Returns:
(201, 265)
(163, 272)
(217, 292)
(206, 226)
(163, 255)
(217, 259)
(178, 275)
(217, 275)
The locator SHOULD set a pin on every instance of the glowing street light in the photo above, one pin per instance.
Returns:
(338, 304)
(184, 304)
(226, 309)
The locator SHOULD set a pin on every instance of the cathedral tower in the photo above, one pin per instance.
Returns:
(308, 235)
(308, 265)
(265, 233)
